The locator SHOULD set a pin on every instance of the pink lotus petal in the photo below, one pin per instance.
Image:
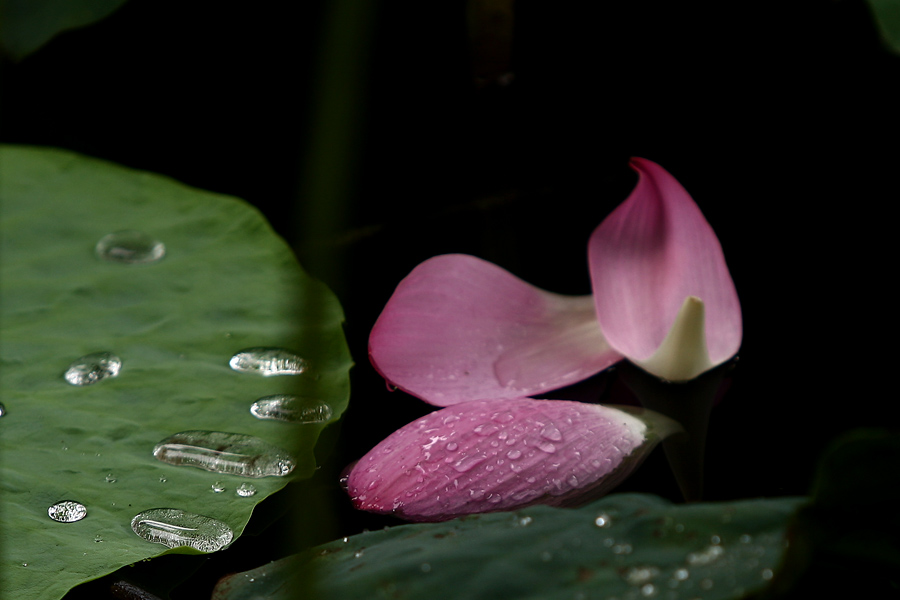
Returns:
(647, 257)
(459, 329)
(495, 455)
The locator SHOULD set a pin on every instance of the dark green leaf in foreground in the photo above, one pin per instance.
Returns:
(226, 283)
(26, 25)
(846, 542)
(887, 17)
(623, 546)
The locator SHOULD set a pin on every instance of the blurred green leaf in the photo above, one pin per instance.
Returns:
(623, 546)
(26, 25)
(227, 283)
(845, 543)
(887, 16)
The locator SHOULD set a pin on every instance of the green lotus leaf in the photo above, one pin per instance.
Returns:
(622, 546)
(226, 283)
(887, 18)
(26, 25)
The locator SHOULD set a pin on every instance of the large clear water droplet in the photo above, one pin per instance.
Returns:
(91, 368)
(226, 453)
(291, 409)
(130, 247)
(173, 528)
(268, 362)
(246, 490)
(67, 511)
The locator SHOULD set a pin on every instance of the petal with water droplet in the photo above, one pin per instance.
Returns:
(458, 328)
(593, 453)
(647, 258)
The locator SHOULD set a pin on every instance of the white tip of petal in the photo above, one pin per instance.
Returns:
(683, 354)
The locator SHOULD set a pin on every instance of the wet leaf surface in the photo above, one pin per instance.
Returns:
(226, 283)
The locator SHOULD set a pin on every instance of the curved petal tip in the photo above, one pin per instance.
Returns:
(651, 259)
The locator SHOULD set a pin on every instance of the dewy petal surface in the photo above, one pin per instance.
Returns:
(494, 455)
(647, 257)
(459, 328)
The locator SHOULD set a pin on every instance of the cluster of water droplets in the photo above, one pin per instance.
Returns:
(268, 362)
(67, 511)
(92, 368)
(130, 247)
(173, 528)
(219, 452)
(291, 409)
(225, 453)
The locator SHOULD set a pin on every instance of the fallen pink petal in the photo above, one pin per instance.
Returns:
(502, 454)
(459, 328)
(664, 296)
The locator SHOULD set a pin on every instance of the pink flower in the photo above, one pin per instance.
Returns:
(463, 333)
(459, 328)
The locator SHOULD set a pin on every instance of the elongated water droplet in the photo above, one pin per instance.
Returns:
(246, 490)
(268, 362)
(92, 368)
(67, 511)
(291, 409)
(130, 247)
(173, 528)
(226, 453)
(218, 487)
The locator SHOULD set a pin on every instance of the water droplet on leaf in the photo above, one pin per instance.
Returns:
(91, 368)
(173, 528)
(67, 511)
(110, 478)
(218, 487)
(2, 410)
(291, 409)
(268, 362)
(603, 520)
(246, 490)
(130, 247)
(226, 453)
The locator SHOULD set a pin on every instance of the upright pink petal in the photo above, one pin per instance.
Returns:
(647, 258)
(496, 455)
(459, 328)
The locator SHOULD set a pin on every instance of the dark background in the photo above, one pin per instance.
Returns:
(780, 118)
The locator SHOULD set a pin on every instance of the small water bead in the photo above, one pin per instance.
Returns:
(91, 368)
(245, 490)
(603, 520)
(67, 511)
(225, 453)
(291, 409)
(452, 446)
(163, 480)
(2, 410)
(130, 247)
(268, 362)
(550, 432)
(547, 447)
(218, 487)
(110, 478)
(705, 557)
(173, 528)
